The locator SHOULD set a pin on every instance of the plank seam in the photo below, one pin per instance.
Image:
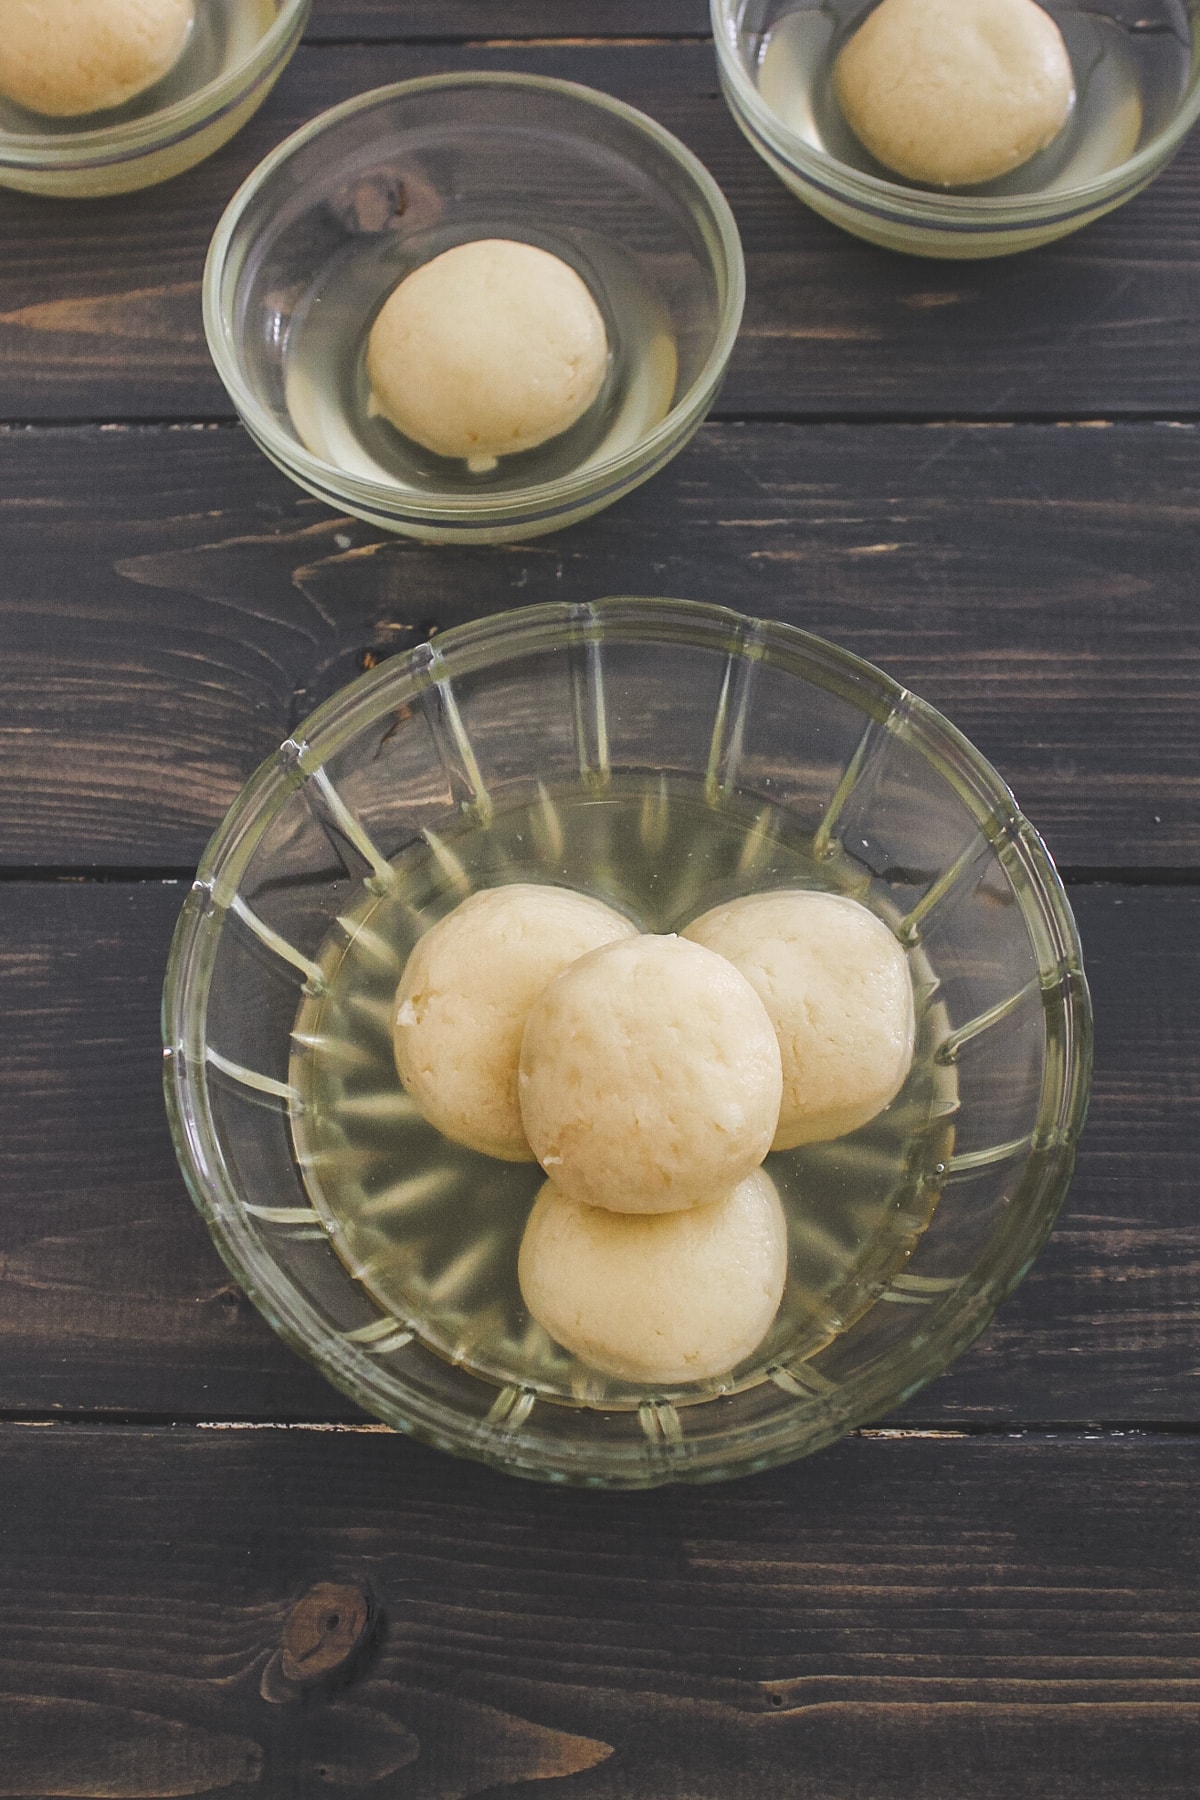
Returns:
(450, 42)
(1090, 421)
(82, 874)
(939, 1431)
(718, 416)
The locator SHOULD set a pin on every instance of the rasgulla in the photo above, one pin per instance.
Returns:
(463, 999)
(837, 987)
(954, 92)
(664, 1297)
(487, 349)
(650, 1077)
(67, 57)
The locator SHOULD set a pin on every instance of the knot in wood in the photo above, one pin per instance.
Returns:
(325, 1630)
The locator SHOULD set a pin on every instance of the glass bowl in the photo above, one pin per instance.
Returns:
(237, 51)
(1137, 77)
(327, 226)
(665, 755)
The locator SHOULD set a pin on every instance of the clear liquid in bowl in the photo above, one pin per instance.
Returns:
(328, 395)
(1132, 63)
(432, 1230)
(224, 35)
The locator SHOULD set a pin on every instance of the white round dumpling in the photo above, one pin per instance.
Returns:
(464, 996)
(490, 348)
(954, 92)
(64, 58)
(650, 1077)
(657, 1297)
(837, 987)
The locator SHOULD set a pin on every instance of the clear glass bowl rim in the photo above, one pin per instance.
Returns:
(893, 199)
(951, 1324)
(105, 144)
(382, 497)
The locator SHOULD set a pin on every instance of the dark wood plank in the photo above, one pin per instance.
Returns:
(100, 305)
(103, 1259)
(113, 1300)
(1105, 1324)
(410, 21)
(170, 607)
(893, 1620)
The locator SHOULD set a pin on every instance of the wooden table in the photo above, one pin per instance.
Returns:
(982, 476)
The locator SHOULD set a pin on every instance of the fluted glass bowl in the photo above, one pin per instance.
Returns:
(236, 53)
(666, 755)
(335, 218)
(1137, 80)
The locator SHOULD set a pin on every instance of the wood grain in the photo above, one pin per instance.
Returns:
(104, 1263)
(171, 607)
(100, 306)
(896, 1619)
(112, 1299)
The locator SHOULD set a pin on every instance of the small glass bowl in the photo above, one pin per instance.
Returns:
(326, 227)
(237, 52)
(1137, 75)
(762, 736)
